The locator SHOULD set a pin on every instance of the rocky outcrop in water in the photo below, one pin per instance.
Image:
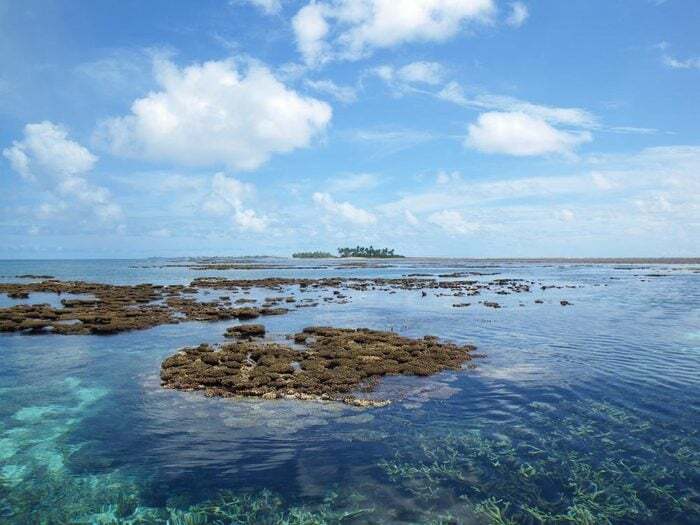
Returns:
(333, 363)
(114, 309)
(118, 308)
(246, 331)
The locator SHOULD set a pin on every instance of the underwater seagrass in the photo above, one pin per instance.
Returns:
(333, 363)
(560, 476)
(39, 483)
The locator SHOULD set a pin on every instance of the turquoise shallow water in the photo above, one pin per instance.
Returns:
(588, 413)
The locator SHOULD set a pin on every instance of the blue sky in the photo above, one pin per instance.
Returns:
(437, 127)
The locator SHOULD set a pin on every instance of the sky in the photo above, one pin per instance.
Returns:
(464, 128)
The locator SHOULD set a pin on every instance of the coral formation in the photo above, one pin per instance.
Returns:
(334, 363)
(114, 308)
(245, 331)
(118, 308)
(468, 287)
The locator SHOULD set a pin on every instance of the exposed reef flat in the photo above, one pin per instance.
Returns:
(220, 266)
(331, 364)
(111, 309)
(246, 331)
(237, 266)
(361, 284)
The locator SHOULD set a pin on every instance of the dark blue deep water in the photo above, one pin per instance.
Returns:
(587, 414)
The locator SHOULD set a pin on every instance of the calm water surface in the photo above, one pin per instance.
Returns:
(588, 413)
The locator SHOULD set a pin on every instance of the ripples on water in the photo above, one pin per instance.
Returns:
(581, 414)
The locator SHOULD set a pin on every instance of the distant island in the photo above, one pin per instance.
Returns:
(358, 251)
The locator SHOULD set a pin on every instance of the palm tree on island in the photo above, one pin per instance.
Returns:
(357, 251)
(370, 252)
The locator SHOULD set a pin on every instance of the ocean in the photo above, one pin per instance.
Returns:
(583, 413)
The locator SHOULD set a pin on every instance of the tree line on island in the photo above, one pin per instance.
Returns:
(357, 251)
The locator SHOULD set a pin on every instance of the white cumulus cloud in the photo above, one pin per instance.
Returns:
(344, 210)
(453, 92)
(49, 158)
(46, 149)
(212, 114)
(227, 198)
(310, 28)
(350, 29)
(520, 134)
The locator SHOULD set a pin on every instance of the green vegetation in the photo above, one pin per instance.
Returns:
(357, 251)
(508, 480)
(371, 252)
(228, 507)
(110, 500)
(313, 255)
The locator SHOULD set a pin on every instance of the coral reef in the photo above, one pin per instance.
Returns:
(467, 287)
(245, 331)
(334, 363)
(114, 308)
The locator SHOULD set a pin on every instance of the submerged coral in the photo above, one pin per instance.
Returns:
(334, 363)
(114, 500)
(579, 471)
(38, 483)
